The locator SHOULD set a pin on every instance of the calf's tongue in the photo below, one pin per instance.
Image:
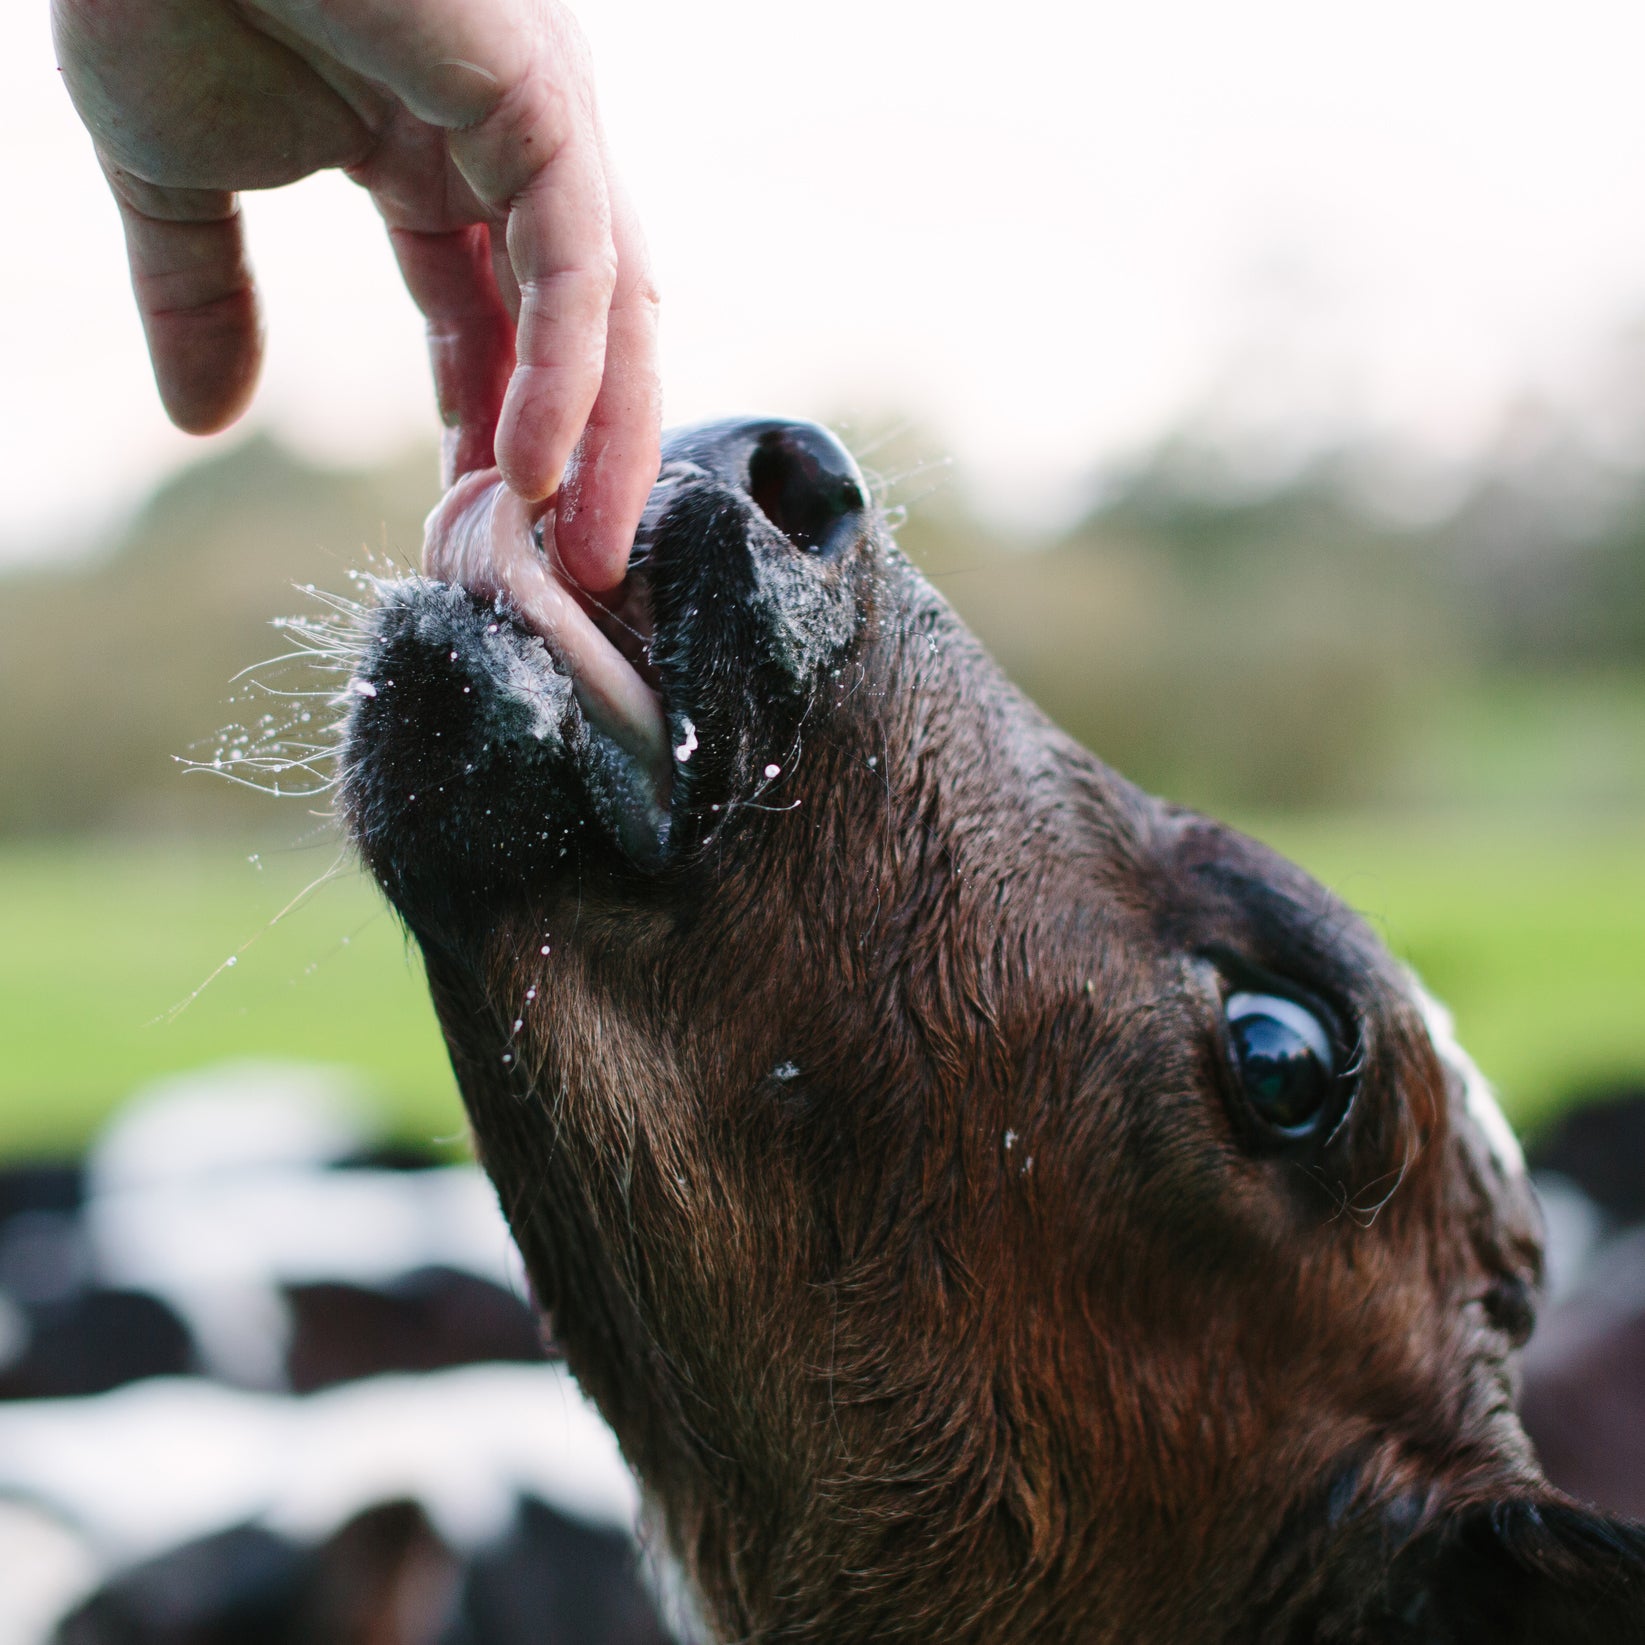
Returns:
(480, 536)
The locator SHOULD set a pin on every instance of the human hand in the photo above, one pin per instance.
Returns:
(473, 125)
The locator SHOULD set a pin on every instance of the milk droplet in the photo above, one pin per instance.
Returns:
(363, 688)
(772, 771)
(543, 949)
(785, 1071)
(233, 959)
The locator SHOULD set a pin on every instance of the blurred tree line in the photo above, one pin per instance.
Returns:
(1237, 642)
(1308, 641)
(117, 667)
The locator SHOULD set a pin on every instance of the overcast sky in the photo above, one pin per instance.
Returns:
(1044, 230)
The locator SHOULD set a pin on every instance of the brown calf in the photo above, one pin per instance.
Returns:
(989, 1203)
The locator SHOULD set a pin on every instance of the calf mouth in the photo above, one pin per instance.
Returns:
(499, 716)
(481, 540)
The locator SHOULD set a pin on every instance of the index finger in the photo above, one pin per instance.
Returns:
(511, 82)
(546, 166)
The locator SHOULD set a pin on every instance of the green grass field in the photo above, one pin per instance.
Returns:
(1534, 933)
(112, 972)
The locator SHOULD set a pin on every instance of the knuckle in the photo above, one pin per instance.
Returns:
(643, 294)
(603, 272)
(535, 116)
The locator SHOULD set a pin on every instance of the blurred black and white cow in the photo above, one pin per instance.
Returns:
(1583, 1396)
(260, 1382)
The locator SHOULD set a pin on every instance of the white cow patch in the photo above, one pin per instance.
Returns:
(1478, 1097)
(48, 1568)
(160, 1462)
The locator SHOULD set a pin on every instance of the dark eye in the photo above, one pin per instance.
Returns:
(1282, 1055)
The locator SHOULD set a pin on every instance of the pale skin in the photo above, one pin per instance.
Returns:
(473, 125)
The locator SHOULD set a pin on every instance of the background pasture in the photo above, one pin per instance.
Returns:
(1292, 369)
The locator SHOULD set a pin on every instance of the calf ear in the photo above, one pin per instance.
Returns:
(1521, 1569)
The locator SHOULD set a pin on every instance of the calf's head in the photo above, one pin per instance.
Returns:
(989, 1203)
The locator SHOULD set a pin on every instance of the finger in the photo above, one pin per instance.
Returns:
(511, 82)
(564, 261)
(196, 297)
(502, 271)
(470, 337)
(616, 464)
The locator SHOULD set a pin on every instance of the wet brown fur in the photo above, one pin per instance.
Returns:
(991, 1320)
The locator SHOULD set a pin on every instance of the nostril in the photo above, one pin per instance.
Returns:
(805, 484)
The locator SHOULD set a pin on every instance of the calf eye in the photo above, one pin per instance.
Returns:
(1283, 1058)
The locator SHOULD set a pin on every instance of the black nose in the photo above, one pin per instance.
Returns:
(799, 476)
